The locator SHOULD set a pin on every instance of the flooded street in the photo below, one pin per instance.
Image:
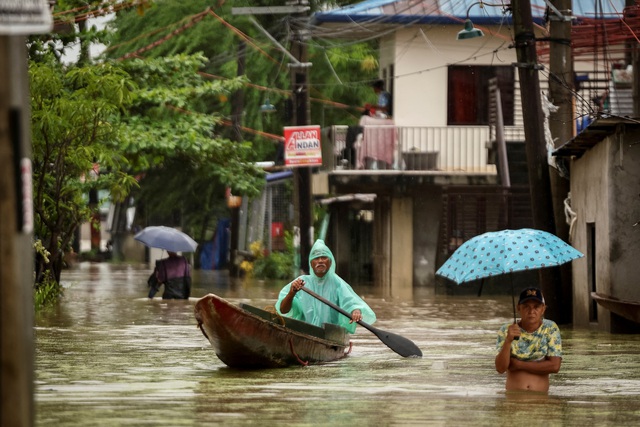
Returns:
(106, 356)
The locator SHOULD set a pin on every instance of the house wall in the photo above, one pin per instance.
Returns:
(624, 213)
(421, 57)
(590, 200)
(604, 191)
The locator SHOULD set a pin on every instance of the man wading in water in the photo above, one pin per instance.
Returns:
(537, 350)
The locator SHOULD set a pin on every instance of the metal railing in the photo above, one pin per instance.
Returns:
(414, 148)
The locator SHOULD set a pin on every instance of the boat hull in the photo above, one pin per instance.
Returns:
(250, 338)
(630, 310)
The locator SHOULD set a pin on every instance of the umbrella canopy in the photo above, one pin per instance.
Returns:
(506, 251)
(166, 238)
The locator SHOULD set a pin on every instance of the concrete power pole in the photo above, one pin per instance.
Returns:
(539, 181)
(16, 234)
(561, 124)
(633, 58)
(301, 116)
(302, 175)
(17, 19)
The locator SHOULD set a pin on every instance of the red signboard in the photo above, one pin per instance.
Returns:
(302, 146)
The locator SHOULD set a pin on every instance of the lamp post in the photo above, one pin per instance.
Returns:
(469, 31)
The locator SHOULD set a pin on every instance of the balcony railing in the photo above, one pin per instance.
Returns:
(450, 149)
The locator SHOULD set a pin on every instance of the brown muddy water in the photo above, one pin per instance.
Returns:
(108, 356)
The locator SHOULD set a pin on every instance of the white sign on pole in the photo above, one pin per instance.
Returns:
(302, 146)
(23, 17)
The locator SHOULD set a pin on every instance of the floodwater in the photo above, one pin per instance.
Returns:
(108, 356)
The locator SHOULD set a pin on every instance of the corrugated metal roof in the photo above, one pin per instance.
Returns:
(453, 11)
(595, 133)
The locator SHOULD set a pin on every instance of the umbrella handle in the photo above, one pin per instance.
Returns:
(513, 300)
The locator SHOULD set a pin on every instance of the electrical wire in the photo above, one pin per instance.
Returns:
(610, 33)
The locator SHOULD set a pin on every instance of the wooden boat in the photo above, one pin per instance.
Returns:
(247, 337)
(628, 309)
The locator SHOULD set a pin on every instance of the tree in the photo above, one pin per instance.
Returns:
(98, 126)
(159, 116)
(75, 118)
(340, 74)
(173, 143)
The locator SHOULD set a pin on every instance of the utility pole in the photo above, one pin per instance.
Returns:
(633, 58)
(17, 19)
(302, 117)
(237, 106)
(561, 124)
(539, 181)
(16, 250)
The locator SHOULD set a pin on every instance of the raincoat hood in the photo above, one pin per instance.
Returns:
(320, 249)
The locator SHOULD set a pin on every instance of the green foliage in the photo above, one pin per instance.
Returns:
(274, 265)
(171, 141)
(169, 118)
(218, 38)
(47, 292)
(75, 121)
(72, 34)
(47, 289)
(164, 114)
(278, 265)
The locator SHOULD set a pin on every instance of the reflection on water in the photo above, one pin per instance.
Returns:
(106, 355)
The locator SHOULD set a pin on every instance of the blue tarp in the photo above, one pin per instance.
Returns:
(402, 12)
(277, 176)
(215, 253)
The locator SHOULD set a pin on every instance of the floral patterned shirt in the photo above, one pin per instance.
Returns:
(544, 341)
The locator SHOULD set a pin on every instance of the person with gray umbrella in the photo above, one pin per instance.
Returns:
(174, 273)
(531, 349)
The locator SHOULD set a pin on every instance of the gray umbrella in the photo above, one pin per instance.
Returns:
(166, 238)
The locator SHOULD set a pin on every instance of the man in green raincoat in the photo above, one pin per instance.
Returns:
(324, 281)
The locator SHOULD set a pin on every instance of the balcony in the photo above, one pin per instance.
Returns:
(411, 150)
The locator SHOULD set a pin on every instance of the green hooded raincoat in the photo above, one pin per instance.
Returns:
(332, 287)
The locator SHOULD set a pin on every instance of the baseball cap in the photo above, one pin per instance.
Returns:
(531, 294)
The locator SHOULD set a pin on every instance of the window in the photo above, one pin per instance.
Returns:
(468, 88)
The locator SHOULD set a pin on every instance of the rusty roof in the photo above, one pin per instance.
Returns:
(596, 132)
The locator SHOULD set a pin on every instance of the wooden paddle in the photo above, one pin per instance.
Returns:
(401, 345)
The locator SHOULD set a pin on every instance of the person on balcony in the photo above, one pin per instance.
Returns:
(383, 107)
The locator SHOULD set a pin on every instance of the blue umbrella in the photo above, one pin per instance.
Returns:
(506, 251)
(166, 238)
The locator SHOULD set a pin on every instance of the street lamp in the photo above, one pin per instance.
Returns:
(469, 31)
(267, 107)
